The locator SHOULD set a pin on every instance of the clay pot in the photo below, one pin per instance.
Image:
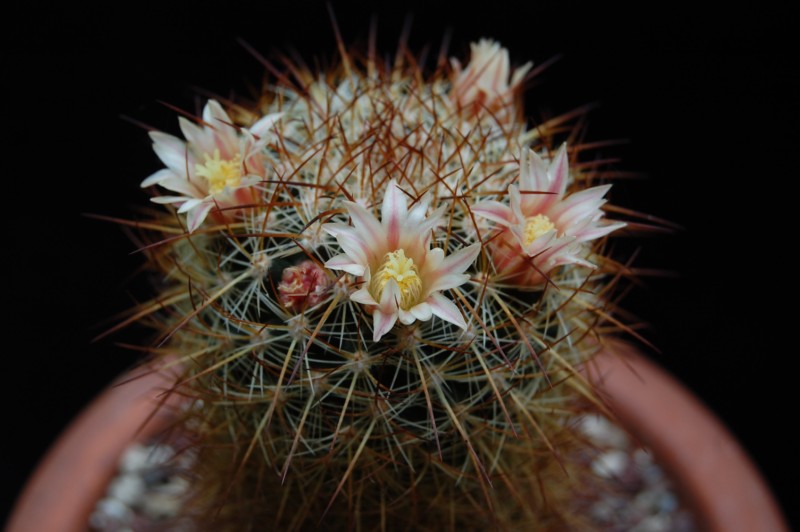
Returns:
(75, 472)
(710, 469)
(708, 466)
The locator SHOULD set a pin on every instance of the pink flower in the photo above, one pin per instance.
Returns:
(303, 285)
(484, 83)
(542, 229)
(215, 167)
(402, 277)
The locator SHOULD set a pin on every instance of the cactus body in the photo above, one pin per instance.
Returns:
(381, 284)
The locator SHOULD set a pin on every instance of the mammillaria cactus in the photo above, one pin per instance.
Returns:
(381, 286)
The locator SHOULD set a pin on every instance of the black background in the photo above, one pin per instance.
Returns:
(709, 101)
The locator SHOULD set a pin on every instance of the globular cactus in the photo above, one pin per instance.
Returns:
(379, 287)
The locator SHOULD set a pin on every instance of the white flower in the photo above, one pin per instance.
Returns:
(214, 167)
(542, 229)
(485, 80)
(402, 276)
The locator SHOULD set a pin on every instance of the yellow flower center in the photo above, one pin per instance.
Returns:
(403, 270)
(220, 173)
(536, 226)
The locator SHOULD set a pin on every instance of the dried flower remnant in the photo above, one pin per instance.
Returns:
(304, 285)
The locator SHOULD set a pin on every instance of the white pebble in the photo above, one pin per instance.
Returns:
(159, 454)
(161, 506)
(653, 523)
(134, 459)
(110, 514)
(610, 464)
(176, 486)
(127, 489)
(603, 432)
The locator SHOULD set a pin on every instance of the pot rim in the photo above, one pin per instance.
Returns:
(709, 467)
(717, 477)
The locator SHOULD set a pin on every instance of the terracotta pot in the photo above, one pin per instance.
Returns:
(713, 472)
(75, 472)
(708, 466)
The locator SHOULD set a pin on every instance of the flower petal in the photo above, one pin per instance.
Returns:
(158, 177)
(422, 311)
(165, 200)
(385, 316)
(190, 204)
(367, 227)
(200, 138)
(393, 214)
(172, 151)
(344, 262)
(262, 128)
(363, 296)
(445, 309)
(494, 211)
(198, 215)
(382, 323)
(182, 185)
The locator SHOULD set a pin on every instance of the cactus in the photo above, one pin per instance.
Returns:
(379, 287)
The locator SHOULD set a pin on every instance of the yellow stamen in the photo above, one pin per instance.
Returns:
(220, 173)
(403, 270)
(536, 226)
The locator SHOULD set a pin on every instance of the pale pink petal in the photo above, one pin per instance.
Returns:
(336, 228)
(182, 185)
(417, 213)
(344, 262)
(385, 316)
(213, 114)
(363, 296)
(445, 309)
(191, 204)
(201, 139)
(533, 172)
(422, 311)
(226, 135)
(433, 261)
(198, 215)
(406, 317)
(494, 211)
(351, 242)
(416, 238)
(262, 128)
(559, 171)
(158, 177)
(450, 273)
(393, 214)
(382, 323)
(460, 260)
(165, 200)
(390, 297)
(578, 206)
(172, 151)
(365, 223)
(516, 205)
(353, 245)
(598, 231)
